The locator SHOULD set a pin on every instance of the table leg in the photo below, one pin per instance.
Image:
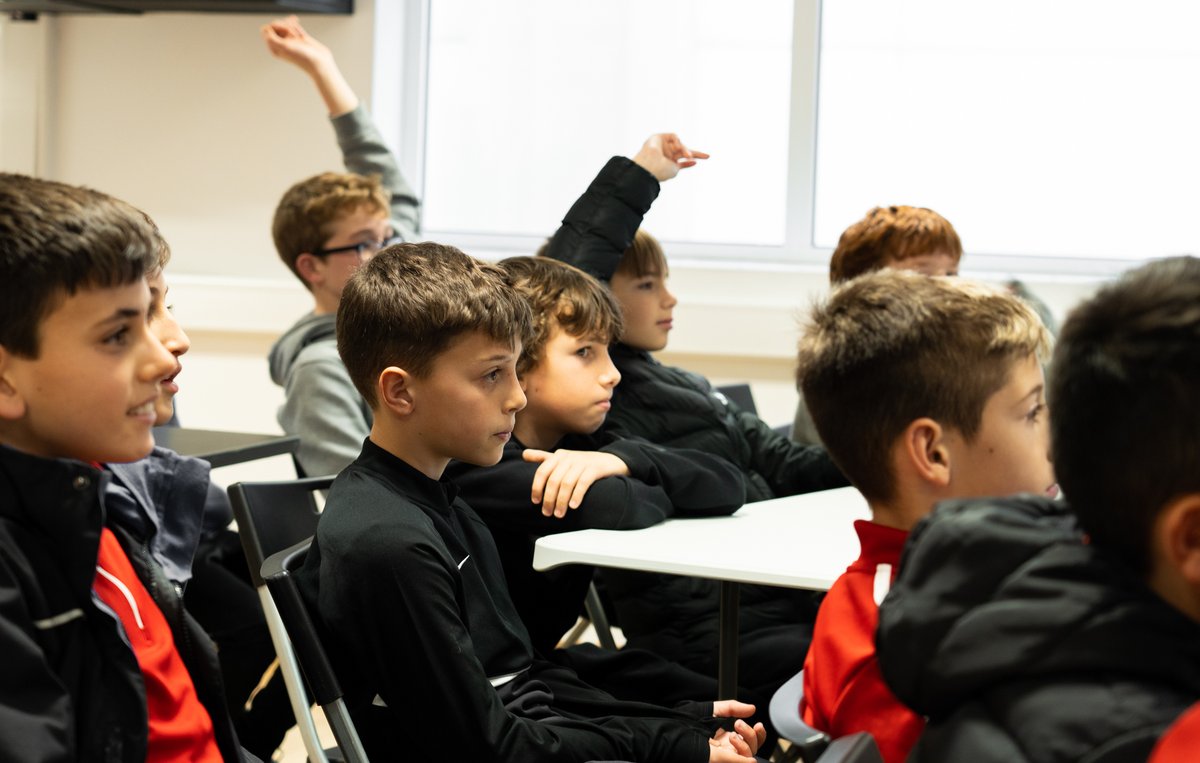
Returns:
(727, 680)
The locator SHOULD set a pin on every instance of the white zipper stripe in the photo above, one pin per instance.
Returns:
(137, 616)
(883, 582)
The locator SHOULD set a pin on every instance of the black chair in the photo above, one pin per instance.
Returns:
(271, 517)
(595, 616)
(852, 748)
(739, 394)
(277, 571)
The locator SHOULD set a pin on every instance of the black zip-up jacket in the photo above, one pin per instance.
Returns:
(71, 687)
(1023, 643)
(680, 409)
(667, 405)
(406, 582)
(662, 482)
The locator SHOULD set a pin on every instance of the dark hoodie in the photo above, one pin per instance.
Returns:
(1021, 642)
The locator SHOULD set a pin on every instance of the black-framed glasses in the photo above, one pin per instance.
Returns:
(364, 249)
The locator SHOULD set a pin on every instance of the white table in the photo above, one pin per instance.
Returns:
(802, 541)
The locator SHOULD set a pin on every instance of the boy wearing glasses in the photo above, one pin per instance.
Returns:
(324, 228)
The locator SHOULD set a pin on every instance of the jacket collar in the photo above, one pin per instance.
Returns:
(59, 500)
(435, 494)
(161, 500)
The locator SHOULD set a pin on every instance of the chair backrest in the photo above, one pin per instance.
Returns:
(852, 748)
(272, 516)
(784, 710)
(739, 394)
(277, 572)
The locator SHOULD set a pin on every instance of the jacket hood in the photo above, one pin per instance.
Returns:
(311, 328)
(1002, 591)
(160, 500)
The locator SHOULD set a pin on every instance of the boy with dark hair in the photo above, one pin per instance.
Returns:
(923, 389)
(1030, 630)
(102, 662)
(584, 476)
(665, 405)
(404, 577)
(170, 501)
(556, 474)
(324, 228)
(679, 409)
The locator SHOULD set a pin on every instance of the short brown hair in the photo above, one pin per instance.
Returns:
(561, 295)
(893, 346)
(644, 257)
(309, 208)
(408, 303)
(56, 239)
(891, 234)
(1125, 404)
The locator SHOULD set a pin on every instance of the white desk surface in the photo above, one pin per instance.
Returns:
(803, 541)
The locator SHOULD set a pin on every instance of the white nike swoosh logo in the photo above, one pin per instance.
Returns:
(464, 561)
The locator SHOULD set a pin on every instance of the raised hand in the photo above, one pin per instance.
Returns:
(663, 155)
(288, 41)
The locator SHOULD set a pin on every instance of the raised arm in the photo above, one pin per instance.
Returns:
(288, 41)
(600, 225)
(363, 149)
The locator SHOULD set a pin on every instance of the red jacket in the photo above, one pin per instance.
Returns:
(844, 692)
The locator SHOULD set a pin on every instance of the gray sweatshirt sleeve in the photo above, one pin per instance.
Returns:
(364, 152)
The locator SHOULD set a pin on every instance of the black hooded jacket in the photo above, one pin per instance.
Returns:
(1021, 642)
(666, 405)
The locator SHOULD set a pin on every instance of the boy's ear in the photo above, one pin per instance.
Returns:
(395, 391)
(923, 447)
(1178, 530)
(310, 267)
(12, 404)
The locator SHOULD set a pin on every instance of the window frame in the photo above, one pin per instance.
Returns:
(399, 100)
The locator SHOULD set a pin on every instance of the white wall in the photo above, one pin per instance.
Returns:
(187, 116)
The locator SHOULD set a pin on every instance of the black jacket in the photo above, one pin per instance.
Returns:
(407, 583)
(72, 688)
(681, 409)
(663, 482)
(1021, 642)
(666, 405)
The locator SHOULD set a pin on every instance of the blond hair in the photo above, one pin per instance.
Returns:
(893, 346)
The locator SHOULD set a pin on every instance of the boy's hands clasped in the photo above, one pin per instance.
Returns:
(565, 476)
(741, 744)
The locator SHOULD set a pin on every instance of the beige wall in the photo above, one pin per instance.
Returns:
(187, 116)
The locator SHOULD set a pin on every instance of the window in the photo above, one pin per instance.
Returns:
(527, 100)
(1058, 130)
(1057, 137)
